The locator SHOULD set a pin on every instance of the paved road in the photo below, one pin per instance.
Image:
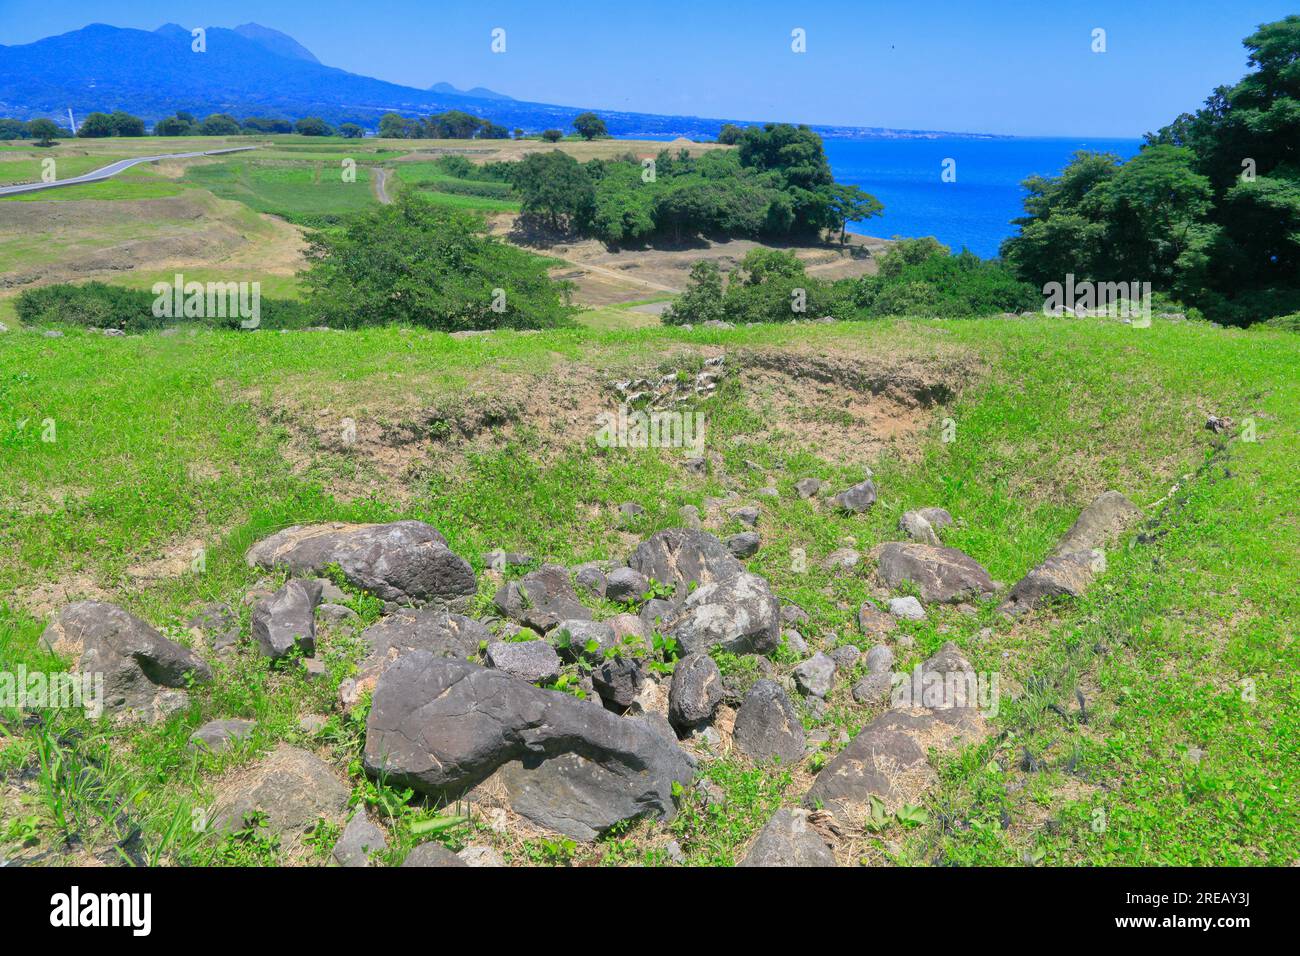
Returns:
(111, 170)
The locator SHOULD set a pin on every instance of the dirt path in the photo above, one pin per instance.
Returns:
(380, 184)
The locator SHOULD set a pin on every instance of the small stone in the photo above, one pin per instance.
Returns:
(856, 499)
(312, 724)
(696, 691)
(841, 559)
(630, 510)
(432, 854)
(794, 642)
(845, 656)
(591, 579)
(531, 661)
(743, 545)
(789, 839)
(815, 676)
(618, 680)
(874, 622)
(690, 516)
(768, 492)
(908, 608)
(916, 527)
(314, 667)
(217, 736)
(626, 584)
(584, 639)
(746, 516)
(481, 856)
(880, 659)
(696, 465)
(873, 689)
(337, 614)
(360, 839)
(768, 726)
(807, 487)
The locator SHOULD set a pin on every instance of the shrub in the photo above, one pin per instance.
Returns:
(100, 306)
(919, 277)
(418, 263)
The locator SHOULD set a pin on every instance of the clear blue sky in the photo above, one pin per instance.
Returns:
(1004, 67)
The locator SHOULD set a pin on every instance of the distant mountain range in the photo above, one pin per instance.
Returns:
(253, 70)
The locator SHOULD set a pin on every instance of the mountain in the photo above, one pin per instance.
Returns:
(478, 92)
(256, 71)
(276, 42)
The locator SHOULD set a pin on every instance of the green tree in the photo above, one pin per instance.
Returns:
(313, 126)
(555, 189)
(730, 134)
(11, 129)
(96, 126)
(552, 135)
(124, 124)
(44, 131)
(589, 125)
(417, 263)
(220, 124)
(850, 204)
(351, 131)
(173, 126)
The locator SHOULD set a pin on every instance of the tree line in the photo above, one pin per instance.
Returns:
(1208, 210)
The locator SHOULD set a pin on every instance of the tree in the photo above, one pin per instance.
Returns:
(396, 126)
(418, 263)
(124, 124)
(554, 187)
(552, 135)
(519, 133)
(11, 129)
(173, 126)
(491, 130)
(589, 125)
(313, 126)
(267, 124)
(730, 134)
(44, 131)
(96, 126)
(220, 124)
(351, 131)
(850, 204)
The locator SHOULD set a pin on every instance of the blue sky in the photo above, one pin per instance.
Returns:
(1002, 67)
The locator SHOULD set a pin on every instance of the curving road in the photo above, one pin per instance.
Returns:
(112, 170)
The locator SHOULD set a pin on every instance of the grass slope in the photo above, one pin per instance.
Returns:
(166, 441)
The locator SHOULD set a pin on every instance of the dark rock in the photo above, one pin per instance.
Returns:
(531, 661)
(696, 691)
(287, 619)
(740, 613)
(746, 516)
(591, 579)
(743, 545)
(794, 642)
(630, 510)
(815, 676)
(880, 659)
(856, 499)
(425, 629)
(584, 639)
(768, 725)
(219, 624)
(432, 854)
(541, 599)
(845, 656)
(655, 614)
(874, 689)
(442, 727)
(144, 674)
(682, 556)
(937, 517)
(217, 736)
(943, 575)
(499, 560)
(793, 614)
(625, 584)
(918, 528)
(405, 561)
(618, 680)
(360, 839)
(337, 614)
(789, 839)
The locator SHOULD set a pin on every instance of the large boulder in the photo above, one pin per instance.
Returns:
(541, 599)
(430, 629)
(287, 620)
(943, 575)
(889, 758)
(739, 613)
(443, 726)
(767, 725)
(684, 556)
(404, 561)
(531, 661)
(1099, 524)
(143, 673)
(789, 839)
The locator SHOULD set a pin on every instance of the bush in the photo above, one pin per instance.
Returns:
(919, 277)
(768, 286)
(417, 263)
(100, 306)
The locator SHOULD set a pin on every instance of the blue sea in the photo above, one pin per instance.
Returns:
(976, 210)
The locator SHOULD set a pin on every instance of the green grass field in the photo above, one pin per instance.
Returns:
(305, 193)
(1184, 650)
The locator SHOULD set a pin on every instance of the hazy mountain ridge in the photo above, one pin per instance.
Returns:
(254, 70)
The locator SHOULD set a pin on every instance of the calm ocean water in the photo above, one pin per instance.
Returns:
(976, 210)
